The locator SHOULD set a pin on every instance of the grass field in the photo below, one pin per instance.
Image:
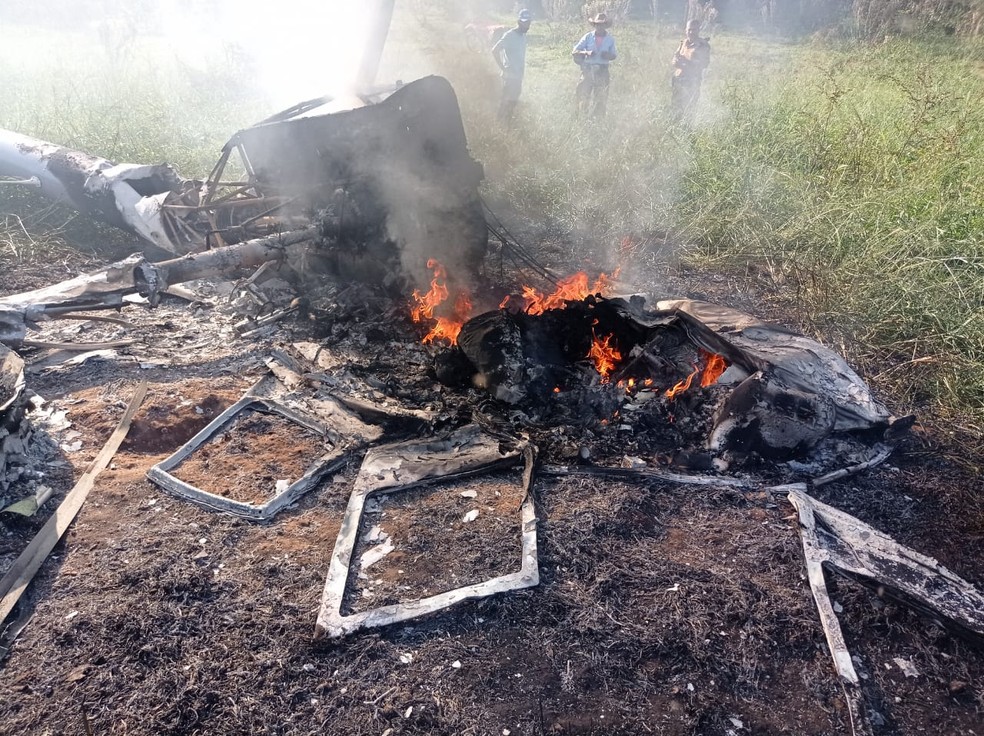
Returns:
(847, 180)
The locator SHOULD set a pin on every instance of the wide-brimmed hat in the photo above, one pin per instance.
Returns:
(600, 19)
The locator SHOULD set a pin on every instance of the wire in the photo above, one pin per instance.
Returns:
(516, 251)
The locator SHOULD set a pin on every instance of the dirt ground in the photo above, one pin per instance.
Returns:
(661, 609)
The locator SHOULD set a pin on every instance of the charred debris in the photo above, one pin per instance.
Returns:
(327, 206)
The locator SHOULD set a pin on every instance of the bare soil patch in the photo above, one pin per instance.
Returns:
(661, 609)
(444, 537)
(246, 459)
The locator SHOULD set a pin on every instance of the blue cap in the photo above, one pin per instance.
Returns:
(525, 16)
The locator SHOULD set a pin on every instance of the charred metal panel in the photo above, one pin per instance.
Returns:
(765, 416)
(404, 161)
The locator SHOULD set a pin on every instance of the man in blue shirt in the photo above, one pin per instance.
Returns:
(509, 53)
(594, 52)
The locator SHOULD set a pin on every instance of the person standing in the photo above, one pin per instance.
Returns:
(593, 53)
(509, 53)
(689, 62)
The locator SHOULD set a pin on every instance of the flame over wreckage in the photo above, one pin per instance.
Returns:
(382, 189)
(386, 193)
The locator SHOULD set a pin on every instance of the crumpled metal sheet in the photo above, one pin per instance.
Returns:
(11, 378)
(797, 360)
(128, 196)
(115, 279)
(102, 289)
(848, 546)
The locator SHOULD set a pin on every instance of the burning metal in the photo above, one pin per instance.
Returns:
(776, 394)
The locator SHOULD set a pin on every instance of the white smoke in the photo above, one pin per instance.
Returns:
(298, 49)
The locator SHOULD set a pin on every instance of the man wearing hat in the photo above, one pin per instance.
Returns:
(594, 52)
(509, 53)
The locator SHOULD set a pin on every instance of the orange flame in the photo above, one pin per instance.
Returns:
(714, 366)
(682, 386)
(712, 372)
(604, 355)
(445, 327)
(572, 288)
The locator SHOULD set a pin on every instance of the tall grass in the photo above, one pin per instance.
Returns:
(139, 102)
(862, 171)
(852, 176)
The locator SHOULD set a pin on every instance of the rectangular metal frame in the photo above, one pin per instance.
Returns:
(381, 479)
(160, 473)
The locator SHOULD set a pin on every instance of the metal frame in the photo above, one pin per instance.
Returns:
(328, 462)
(382, 476)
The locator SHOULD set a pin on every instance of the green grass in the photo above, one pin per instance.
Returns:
(847, 179)
(853, 177)
(142, 103)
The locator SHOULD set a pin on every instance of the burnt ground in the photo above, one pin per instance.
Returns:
(661, 609)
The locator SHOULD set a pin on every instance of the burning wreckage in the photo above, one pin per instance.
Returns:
(386, 194)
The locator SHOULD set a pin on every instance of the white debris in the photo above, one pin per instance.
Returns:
(83, 357)
(282, 485)
(470, 516)
(907, 667)
(374, 554)
(456, 664)
(56, 420)
(376, 535)
(406, 658)
(469, 494)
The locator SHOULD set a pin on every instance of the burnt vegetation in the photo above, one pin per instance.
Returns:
(834, 191)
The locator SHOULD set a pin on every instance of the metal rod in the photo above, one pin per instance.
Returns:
(31, 182)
